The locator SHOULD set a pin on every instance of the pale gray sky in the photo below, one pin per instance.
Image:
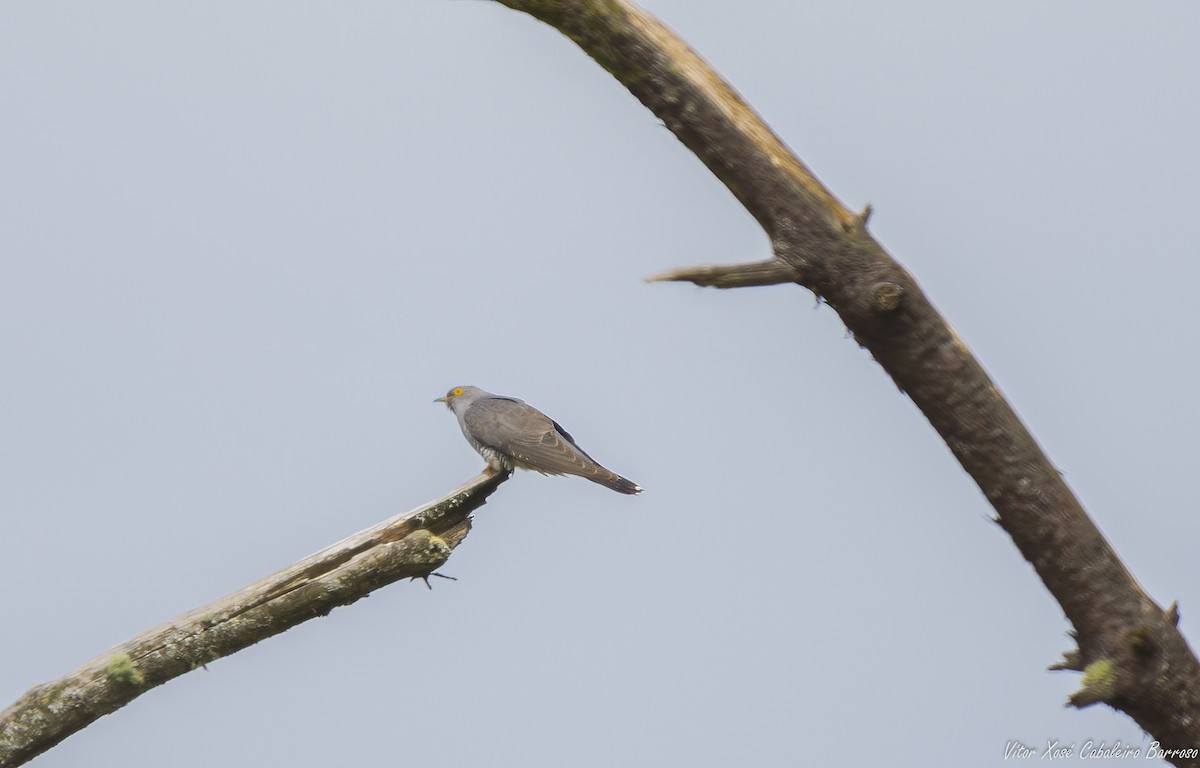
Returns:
(243, 245)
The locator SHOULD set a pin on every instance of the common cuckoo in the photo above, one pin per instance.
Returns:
(508, 433)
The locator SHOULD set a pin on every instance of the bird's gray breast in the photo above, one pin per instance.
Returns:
(495, 426)
(495, 459)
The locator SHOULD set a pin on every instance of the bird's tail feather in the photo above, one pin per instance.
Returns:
(616, 482)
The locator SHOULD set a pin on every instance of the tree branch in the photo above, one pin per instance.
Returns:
(410, 545)
(1133, 656)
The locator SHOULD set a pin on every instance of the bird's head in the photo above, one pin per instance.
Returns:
(458, 396)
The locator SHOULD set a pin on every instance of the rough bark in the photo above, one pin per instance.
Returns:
(410, 545)
(1132, 654)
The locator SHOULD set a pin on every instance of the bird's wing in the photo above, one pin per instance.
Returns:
(528, 435)
(571, 440)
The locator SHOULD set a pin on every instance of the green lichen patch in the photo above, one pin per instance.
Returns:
(1099, 674)
(122, 670)
(1099, 684)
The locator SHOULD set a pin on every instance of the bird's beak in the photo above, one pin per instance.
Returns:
(440, 400)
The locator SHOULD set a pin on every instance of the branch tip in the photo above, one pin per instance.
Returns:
(769, 272)
(865, 215)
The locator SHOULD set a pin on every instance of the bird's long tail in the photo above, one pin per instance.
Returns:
(612, 480)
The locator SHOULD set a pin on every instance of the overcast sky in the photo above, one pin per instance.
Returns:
(243, 245)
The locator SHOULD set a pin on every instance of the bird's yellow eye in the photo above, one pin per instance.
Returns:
(456, 391)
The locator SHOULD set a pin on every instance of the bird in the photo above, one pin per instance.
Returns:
(511, 434)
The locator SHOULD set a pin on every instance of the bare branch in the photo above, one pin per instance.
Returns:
(410, 545)
(1147, 669)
